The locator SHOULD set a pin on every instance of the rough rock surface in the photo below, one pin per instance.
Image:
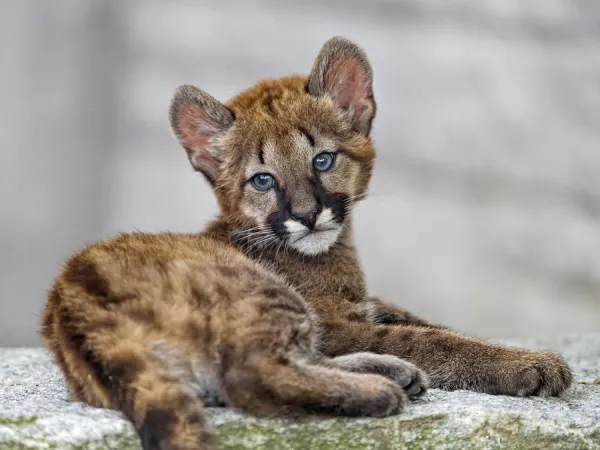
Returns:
(35, 412)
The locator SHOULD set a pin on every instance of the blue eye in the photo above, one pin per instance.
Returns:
(323, 161)
(263, 181)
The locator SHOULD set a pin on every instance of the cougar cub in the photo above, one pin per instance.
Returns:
(266, 309)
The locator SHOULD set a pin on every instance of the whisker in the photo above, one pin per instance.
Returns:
(266, 244)
(251, 234)
(284, 243)
(258, 240)
(257, 235)
(245, 230)
(249, 230)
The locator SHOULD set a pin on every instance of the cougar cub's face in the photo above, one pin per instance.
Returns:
(287, 158)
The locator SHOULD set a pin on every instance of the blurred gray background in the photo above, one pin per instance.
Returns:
(485, 210)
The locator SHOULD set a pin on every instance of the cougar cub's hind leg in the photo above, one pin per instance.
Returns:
(270, 365)
(121, 365)
(108, 325)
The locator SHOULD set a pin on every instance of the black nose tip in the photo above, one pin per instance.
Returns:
(307, 218)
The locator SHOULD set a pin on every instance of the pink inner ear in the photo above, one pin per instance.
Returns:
(347, 80)
(197, 129)
(193, 123)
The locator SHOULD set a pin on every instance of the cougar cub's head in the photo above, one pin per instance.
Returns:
(289, 157)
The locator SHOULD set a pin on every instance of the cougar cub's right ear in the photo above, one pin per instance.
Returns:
(343, 72)
(198, 120)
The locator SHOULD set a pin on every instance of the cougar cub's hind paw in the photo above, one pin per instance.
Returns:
(386, 399)
(412, 379)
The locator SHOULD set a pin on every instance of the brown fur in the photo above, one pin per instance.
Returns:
(247, 313)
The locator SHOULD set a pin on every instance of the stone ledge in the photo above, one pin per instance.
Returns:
(35, 413)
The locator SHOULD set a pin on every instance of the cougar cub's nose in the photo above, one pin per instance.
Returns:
(307, 218)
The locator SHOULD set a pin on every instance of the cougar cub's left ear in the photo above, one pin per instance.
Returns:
(198, 120)
(343, 71)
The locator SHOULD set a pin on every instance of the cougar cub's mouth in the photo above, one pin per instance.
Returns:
(313, 240)
(313, 230)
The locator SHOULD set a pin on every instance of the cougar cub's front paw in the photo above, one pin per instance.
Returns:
(412, 379)
(538, 373)
(506, 371)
